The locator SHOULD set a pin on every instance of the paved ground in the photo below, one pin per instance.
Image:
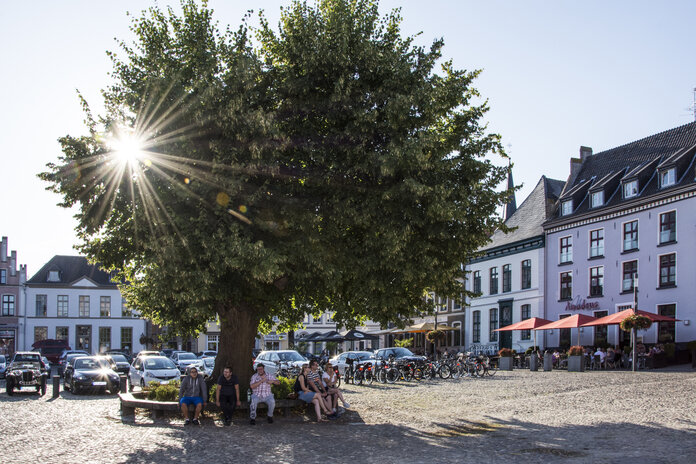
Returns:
(519, 416)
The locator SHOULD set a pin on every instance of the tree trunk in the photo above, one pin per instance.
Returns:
(238, 329)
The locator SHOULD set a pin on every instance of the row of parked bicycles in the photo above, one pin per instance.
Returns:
(394, 370)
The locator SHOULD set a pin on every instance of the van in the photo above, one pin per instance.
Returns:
(51, 349)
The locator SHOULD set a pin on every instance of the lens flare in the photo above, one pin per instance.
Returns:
(127, 148)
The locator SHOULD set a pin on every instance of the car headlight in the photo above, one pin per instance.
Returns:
(78, 377)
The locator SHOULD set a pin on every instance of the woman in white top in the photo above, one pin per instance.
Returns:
(329, 381)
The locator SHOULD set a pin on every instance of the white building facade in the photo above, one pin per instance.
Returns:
(72, 300)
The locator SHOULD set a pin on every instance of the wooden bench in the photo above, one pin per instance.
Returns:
(129, 402)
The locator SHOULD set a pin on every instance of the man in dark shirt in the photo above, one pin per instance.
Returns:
(227, 394)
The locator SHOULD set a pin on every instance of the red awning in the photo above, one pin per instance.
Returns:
(527, 324)
(571, 322)
(616, 318)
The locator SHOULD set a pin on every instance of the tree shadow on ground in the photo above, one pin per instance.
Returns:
(461, 441)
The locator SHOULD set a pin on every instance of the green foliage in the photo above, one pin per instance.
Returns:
(531, 349)
(284, 389)
(334, 166)
(435, 335)
(405, 343)
(158, 392)
(635, 321)
(331, 346)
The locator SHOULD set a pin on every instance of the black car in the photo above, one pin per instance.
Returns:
(66, 356)
(88, 373)
(119, 363)
(125, 354)
(26, 370)
(399, 354)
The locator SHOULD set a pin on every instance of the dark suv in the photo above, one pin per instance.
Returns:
(51, 349)
(399, 354)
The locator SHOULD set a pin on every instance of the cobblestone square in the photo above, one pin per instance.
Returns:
(519, 416)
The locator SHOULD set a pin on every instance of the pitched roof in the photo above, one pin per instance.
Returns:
(72, 269)
(530, 215)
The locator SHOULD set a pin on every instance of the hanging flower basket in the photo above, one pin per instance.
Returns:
(637, 322)
(434, 335)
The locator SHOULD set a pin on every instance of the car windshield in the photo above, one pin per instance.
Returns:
(91, 364)
(119, 358)
(158, 363)
(291, 356)
(209, 362)
(27, 358)
(364, 356)
(187, 356)
(400, 352)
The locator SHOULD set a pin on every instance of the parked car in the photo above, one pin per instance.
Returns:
(399, 354)
(90, 372)
(51, 349)
(125, 354)
(208, 366)
(3, 366)
(148, 369)
(65, 357)
(341, 361)
(283, 358)
(48, 365)
(141, 354)
(26, 370)
(167, 352)
(182, 359)
(207, 354)
(119, 363)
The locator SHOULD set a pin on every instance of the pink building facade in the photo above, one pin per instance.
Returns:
(11, 282)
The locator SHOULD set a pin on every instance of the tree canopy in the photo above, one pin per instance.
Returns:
(326, 164)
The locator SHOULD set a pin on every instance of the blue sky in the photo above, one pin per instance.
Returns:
(557, 75)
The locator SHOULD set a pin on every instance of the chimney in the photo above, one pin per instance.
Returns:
(585, 152)
(3, 250)
(22, 273)
(13, 264)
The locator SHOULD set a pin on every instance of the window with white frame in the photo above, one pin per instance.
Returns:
(493, 280)
(41, 305)
(53, 276)
(127, 339)
(526, 274)
(630, 189)
(526, 313)
(629, 275)
(127, 312)
(597, 281)
(84, 305)
(457, 304)
(493, 325)
(566, 207)
(105, 306)
(476, 326)
(668, 270)
(566, 285)
(668, 177)
(597, 199)
(477, 281)
(62, 333)
(212, 342)
(62, 306)
(104, 339)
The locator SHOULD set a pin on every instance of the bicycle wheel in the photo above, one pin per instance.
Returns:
(392, 375)
(456, 372)
(479, 370)
(444, 372)
(338, 381)
(359, 377)
(369, 377)
(418, 374)
(382, 375)
(491, 371)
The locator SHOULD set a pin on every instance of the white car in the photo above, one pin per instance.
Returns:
(152, 369)
(271, 360)
(361, 356)
(208, 366)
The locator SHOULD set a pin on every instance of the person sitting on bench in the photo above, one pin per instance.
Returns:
(192, 391)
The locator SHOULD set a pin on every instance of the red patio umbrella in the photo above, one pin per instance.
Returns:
(616, 318)
(527, 324)
(572, 322)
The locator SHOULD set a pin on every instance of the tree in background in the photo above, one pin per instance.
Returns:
(331, 165)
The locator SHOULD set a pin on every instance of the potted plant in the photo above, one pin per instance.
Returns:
(576, 361)
(505, 363)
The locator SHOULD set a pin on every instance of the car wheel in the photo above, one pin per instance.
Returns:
(74, 389)
(9, 387)
(66, 385)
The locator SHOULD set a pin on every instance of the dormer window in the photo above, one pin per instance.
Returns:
(630, 189)
(668, 177)
(53, 276)
(597, 199)
(566, 207)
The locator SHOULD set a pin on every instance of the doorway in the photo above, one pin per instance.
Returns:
(505, 319)
(83, 338)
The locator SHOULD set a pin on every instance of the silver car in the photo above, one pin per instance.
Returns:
(152, 369)
(183, 359)
(340, 361)
(279, 360)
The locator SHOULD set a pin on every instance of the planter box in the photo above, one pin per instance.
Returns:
(505, 363)
(576, 364)
(534, 362)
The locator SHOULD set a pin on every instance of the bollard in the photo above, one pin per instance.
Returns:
(56, 386)
(548, 361)
(123, 386)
